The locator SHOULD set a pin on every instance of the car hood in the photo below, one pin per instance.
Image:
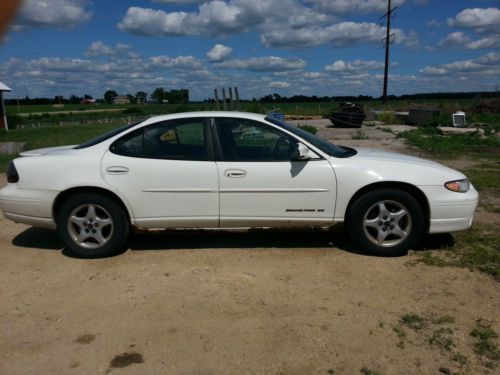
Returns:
(379, 155)
(46, 151)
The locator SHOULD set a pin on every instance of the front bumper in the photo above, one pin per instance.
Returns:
(450, 211)
(32, 207)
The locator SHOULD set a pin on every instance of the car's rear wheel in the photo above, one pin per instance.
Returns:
(92, 225)
(386, 222)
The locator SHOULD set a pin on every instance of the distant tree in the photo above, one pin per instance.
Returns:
(141, 96)
(131, 98)
(73, 99)
(58, 99)
(158, 94)
(109, 96)
(87, 96)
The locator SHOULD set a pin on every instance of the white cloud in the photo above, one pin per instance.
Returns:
(340, 35)
(179, 2)
(455, 39)
(479, 19)
(279, 85)
(176, 63)
(219, 52)
(62, 14)
(459, 39)
(263, 64)
(488, 64)
(98, 48)
(350, 6)
(341, 66)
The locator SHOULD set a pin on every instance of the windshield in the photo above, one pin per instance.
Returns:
(323, 145)
(105, 136)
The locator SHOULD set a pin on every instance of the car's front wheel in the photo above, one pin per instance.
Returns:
(386, 222)
(92, 225)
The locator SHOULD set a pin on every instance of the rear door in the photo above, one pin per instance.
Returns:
(261, 183)
(167, 173)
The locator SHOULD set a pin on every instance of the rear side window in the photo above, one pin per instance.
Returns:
(176, 140)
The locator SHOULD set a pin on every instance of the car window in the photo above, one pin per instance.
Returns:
(247, 140)
(131, 144)
(176, 139)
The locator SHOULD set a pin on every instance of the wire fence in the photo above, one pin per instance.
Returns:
(100, 121)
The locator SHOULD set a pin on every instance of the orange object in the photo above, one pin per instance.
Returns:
(8, 9)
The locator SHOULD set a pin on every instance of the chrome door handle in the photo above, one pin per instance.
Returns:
(117, 170)
(235, 173)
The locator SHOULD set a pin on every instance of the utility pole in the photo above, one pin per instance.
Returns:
(387, 41)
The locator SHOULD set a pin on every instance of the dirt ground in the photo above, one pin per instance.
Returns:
(268, 302)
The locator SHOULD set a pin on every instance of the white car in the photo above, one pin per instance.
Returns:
(196, 170)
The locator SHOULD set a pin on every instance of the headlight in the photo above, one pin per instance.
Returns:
(459, 186)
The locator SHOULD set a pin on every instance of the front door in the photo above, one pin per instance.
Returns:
(167, 173)
(262, 185)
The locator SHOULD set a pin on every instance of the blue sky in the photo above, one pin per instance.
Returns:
(309, 47)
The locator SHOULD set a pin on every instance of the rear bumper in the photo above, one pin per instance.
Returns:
(32, 207)
(450, 211)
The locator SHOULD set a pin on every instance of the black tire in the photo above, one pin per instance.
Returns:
(92, 226)
(402, 222)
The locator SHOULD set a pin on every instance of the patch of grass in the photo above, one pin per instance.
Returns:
(388, 118)
(483, 179)
(360, 134)
(413, 321)
(51, 137)
(442, 338)
(4, 161)
(401, 335)
(386, 130)
(367, 371)
(475, 249)
(445, 319)
(485, 345)
(429, 140)
(308, 128)
(460, 358)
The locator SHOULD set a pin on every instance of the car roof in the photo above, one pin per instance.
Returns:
(173, 116)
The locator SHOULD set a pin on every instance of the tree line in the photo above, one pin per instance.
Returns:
(160, 95)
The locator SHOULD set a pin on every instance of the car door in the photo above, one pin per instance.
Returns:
(262, 183)
(167, 173)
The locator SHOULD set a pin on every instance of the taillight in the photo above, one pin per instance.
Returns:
(12, 175)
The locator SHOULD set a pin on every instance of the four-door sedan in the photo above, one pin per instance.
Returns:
(227, 170)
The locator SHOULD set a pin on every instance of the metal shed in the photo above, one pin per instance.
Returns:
(3, 115)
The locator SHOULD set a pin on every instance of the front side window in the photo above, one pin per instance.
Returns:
(248, 140)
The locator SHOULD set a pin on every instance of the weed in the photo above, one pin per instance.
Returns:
(441, 338)
(460, 358)
(308, 128)
(360, 134)
(483, 179)
(367, 371)
(401, 335)
(413, 321)
(429, 140)
(386, 130)
(388, 118)
(485, 345)
(446, 319)
(475, 249)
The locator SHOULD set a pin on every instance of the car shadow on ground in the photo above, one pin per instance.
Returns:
(43, 239)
